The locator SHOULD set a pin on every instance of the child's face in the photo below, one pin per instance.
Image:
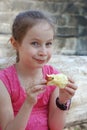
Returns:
(36, 47)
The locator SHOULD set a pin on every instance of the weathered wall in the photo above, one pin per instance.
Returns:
(71, 37)
(70, 20)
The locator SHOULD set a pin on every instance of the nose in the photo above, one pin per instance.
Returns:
(42, 51)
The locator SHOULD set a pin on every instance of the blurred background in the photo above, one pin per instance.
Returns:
(70, 18)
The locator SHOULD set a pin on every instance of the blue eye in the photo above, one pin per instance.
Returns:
(49, 44)
(36, 44)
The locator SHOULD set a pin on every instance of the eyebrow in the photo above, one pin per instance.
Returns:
(37, 39)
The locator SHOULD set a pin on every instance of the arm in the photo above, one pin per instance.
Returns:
(7, 120)
(57, 116)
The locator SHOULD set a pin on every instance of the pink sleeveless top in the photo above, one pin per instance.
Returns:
(39, 115)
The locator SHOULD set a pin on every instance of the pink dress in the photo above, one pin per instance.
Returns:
(39, 115)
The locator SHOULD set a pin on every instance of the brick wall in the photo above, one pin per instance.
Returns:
(70, 20)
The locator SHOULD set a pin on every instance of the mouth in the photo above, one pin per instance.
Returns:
(40, 61)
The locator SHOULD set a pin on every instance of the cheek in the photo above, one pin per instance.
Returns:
(50, 51)
(50, 54)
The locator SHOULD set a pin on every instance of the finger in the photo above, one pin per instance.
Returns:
(70, 80)
(70, 91)
(35, 92)
(37, 88)
(35, 83)
(73, 86)
(43, 82)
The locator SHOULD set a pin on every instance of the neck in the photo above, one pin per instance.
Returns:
(28, 76)
(27, 72)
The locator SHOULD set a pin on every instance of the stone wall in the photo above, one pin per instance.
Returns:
(70, 18)
(71, 36)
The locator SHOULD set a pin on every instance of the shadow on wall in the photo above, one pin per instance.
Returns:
(74, 29)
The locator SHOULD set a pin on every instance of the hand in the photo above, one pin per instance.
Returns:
(34, 90)
(68, 92)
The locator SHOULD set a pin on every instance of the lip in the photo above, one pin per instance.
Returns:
(40, 61)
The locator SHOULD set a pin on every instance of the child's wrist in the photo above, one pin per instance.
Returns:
(63, 105)
(62, 100)
(29, 103)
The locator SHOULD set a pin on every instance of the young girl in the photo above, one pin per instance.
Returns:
(26, 102)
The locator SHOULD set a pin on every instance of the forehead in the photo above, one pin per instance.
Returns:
(42, 29)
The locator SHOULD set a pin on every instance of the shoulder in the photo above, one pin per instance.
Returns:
(6, 77)
(7, 70)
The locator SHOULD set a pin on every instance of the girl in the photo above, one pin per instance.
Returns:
(26, 102)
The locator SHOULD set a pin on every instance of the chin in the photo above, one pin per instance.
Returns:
(40, 66)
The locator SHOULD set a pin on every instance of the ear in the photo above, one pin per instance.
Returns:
(14, 43)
